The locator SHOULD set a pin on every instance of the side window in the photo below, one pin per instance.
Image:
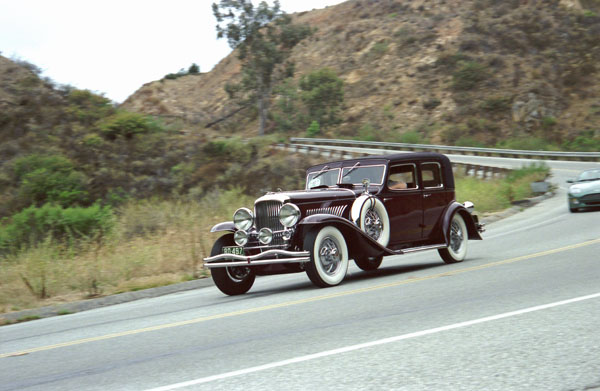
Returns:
(432, 175)
(402, 177)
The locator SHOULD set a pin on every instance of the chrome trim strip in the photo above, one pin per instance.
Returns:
(333, 210)
(273, 197)
(417, 249)
(237, 260)
(255, 263)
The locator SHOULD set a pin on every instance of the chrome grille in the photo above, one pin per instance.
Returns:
(267, 215)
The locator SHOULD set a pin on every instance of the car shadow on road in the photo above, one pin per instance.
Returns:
(390, 270)
(353, 276)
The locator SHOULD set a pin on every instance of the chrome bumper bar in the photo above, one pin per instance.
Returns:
(269, 257)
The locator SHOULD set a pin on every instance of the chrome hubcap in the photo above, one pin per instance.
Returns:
(373, 224)
(330, 256)
(456, 236)
(238, 273)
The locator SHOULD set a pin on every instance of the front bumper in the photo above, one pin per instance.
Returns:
(269, 257)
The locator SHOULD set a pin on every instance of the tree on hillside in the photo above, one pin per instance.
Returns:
(264, 37)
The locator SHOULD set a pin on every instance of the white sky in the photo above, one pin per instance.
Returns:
(116, 46)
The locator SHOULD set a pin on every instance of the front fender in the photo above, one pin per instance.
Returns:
(225, 226)
(357, 240)
(457, 207)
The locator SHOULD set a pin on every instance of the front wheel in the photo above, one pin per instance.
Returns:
(459, 236)
(231, 280)
(328, 256)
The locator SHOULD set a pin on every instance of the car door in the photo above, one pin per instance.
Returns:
(402, 198)
(434, 195)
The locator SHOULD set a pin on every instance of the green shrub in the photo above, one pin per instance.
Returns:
(34, 224)
(194, 69)
(50, 178)
(313, 129)
(323, 95)
(584, 142)
(468, 74)
(86, 107)
(499, 104)
(411, 137)
(127, 124)
(528, 143)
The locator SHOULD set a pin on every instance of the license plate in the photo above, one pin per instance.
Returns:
(233, 250)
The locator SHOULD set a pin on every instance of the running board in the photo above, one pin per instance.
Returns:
(418, 249)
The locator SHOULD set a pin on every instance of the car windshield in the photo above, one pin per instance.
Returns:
(590, 175)
(356, 174)
(322, 178)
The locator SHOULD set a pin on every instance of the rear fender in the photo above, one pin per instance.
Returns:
(457, 207)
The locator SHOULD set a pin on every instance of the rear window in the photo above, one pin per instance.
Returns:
(432, 175)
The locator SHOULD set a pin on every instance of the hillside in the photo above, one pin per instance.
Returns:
(61, 145)
(471, 72)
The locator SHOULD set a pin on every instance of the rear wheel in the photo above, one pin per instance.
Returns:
(231, 280)
(328, 256)
(457, 248)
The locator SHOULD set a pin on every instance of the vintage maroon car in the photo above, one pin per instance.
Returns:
(361, 209)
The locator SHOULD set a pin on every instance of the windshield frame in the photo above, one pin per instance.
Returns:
(348, 168)
(322, 173)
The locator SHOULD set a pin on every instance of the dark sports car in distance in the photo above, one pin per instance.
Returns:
(585, 190)
(359, 209)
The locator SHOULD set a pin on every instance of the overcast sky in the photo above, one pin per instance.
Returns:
(115, 46)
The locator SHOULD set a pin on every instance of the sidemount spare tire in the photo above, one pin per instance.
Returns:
(369, 213)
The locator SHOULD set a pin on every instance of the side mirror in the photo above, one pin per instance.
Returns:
(570, 181)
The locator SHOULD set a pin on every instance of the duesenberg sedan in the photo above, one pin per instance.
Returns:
(361, 209)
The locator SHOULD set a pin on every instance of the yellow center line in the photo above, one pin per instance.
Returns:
(297, 302)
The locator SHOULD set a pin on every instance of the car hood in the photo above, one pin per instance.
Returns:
(303, 196)
(583, 188)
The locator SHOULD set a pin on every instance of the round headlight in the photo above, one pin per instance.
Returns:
(240, 237)
(243, 219)
(289, 215)
(265, 236)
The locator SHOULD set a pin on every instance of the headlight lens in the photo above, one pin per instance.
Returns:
(240, 237)
(289, 215)
(265, 236)
(243, 219)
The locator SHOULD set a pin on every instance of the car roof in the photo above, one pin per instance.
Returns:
(392, 159)
(384, 159)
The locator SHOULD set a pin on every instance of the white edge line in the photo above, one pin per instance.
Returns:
(369, 344)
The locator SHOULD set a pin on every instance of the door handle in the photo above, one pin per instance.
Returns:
(426, 195)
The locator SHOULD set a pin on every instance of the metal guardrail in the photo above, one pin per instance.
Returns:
(514, 153)
(468, 169)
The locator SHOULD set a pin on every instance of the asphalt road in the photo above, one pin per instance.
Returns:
(521, 313)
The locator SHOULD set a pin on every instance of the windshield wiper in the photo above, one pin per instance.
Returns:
(321, 172)
(354, 167)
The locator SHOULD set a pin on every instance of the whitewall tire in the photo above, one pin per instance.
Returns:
(458, 240)
(328, 256)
